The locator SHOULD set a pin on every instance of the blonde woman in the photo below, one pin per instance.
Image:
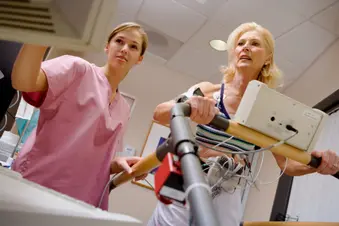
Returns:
(83, 116)
(250, 57)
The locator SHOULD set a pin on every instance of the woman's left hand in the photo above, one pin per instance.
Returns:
(329, 162)
(124, 164)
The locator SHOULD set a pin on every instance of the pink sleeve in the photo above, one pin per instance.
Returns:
(60, 72)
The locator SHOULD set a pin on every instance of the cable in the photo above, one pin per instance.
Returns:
(17, 99)
(106, 186)
(10, 114)
(249, 179)
(290, 128)
(223, 142)
(109, 182)
(230, 162)
(226, 151)
(282, 172)
(224, 169)
(242, 150)
(4, 126)
(149, 183)
(259, 170)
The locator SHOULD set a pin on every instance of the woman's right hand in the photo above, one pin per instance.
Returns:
(203, 109)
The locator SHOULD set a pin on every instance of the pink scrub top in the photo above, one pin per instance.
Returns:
(78, 133)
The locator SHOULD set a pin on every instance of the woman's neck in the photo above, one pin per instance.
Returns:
(235, 90)
(114, 77)
(240, 81)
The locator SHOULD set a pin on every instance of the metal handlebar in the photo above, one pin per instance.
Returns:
(182, 143)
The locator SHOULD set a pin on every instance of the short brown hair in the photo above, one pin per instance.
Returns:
(131, 25)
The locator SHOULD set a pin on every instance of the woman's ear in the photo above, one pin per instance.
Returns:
(106, 48)
(140, 59)
(268, 60)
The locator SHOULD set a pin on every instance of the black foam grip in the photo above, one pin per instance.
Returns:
(315, 162)
(218, 121)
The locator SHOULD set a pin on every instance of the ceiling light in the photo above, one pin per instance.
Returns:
(218, 45)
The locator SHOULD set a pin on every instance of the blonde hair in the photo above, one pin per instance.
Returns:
(270, 73)
(131, 25)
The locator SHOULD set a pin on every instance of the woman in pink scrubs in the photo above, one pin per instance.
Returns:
(83, 116)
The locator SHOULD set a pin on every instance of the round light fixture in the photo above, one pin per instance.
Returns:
(218, 45)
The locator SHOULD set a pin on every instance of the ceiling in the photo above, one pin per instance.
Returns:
(180, 31)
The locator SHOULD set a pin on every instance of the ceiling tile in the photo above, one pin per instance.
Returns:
(305, 8)
(126, 11)
(207, 8)
(207, 33)
(263, 12)
(304, 44)
(129, 7)
(289, 70)
(161, 44)
(148, 56)
(171, 18)
(196, 57)
(199, 62)
(329, 19)
(121, 18)
(321, 78)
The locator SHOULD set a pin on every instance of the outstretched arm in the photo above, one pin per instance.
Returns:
(293, 168)
(162, 112)
(27, 75)
(329, 164)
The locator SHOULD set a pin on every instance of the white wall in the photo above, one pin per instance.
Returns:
(313, 197)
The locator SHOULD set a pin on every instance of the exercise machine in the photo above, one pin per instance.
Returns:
(179, 152)
(25, 203)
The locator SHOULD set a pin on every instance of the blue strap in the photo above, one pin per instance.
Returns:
(221, 105)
